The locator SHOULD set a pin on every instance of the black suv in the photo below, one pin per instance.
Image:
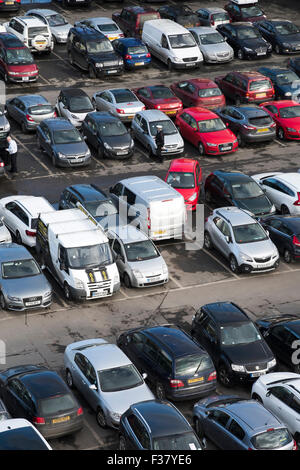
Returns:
(92, 51)
(175, 364)
(233, 341)
(232, 188)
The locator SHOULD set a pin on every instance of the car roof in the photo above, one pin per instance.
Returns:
(130, 41)
(225, 312)
(293, 179)
(275, 70)
(43, 11)
(90, 33)
(73, 92)
(161, 417)
(102, 116)
(105, 356)
(58, 123)
(11, 41)
(213, 9)
(13, 251)
(32, 100)
(241, 24)
(102, 19)
(33, 204)
(30, 20)
(139, 9)
(291, 221)
(282, 103)
(201, 113)
(150, 187)
(254, 415)
(128, 233)
(182, 164)
(235, 215)
(203, 30)
(251, 111)
(176, 340)
(88, 192)
(201, 82)
(43, 383)
(153, 115)
(233, 176)
(250, 74)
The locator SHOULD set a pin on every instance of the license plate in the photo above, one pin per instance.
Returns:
(170, 112)
(112, 38)
(261, 95)
(97, 294)
(257, 374)
(34, 302)
(226, 148)
(139, 63)
(192, 381)
(159, 232)
(40, 42)
(25, 79)
(76, 160)
(153, 279)
(263, 130)
(123, 152)
(190, 64)
(111, 71)
(9, 3)
(61, 420)
(260, 53)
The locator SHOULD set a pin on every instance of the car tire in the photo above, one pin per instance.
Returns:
(69, 379)
(233, 264)
(240, 54)
(53, 160)
(5, 78)
(207, 241)
(70, 58)
(257, 398)
(160, 391)
(3, 305)
(240, 140)
(284, 210)
(199, 428)
(127, 281)
(92, 72)
(170, 65)
(18, 238)
(100, 153)
(101, 419)
(238, 100)
(38, 142)
(287, 255)
(201, 149)
(24, 128)
(224, 376)
(277, 49)
(280, 133)
(67, 291)
(122, 443)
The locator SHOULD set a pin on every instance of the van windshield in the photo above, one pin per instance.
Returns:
(89, 256)
(178, 41)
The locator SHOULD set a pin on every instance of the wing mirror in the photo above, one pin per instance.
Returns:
(268, 393)
(93, 387)
(144, 375)
(228, 239)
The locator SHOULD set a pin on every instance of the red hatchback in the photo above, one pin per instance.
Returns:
(159, 97)
(206, 131)
(199, 92)
(286, 114)
(185, 175)
(16, 61)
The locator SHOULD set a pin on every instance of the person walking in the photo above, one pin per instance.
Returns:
(160, 142)
(12, 149)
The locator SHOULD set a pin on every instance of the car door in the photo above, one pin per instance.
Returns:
(12, 108)
(215, 424)
(8, 212)
(79, 52)
(16, 219)
(91, 385)
(144, 95)
(235, 436)
(137, 437)
(207, 336)
(276, 233)
(280, 340)
(227, 85)
(12, 395)
(143, 133)
(278, 400)
(273, 191)
(89, 129)
(221, 231)
(216, 190)
(119, 255)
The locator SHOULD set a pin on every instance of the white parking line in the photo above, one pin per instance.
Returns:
(93, 432)
(175, 282)
(280, 143)
(124, 293)
(32, 154)
(220, 262)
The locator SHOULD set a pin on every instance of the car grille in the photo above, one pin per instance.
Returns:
(261, 50)
(262, 260)
(111, 63)
(173, 146)
(223, 54)
(225, 147)
(256, 367)
(190, 59)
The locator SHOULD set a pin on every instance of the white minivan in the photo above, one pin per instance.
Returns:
(171, 43)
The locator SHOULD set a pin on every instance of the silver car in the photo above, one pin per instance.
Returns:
(139, 262)
(105, 25)
(58, 25)
(144, 129)
(23, 285)
(212, 44)
(241, 239)
(4, 125)
(29, 110)
(213, 16)
(120, 102)
(106, 378)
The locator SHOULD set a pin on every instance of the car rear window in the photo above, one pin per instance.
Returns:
(190, 365)
(207, 92)
(137, 50)
(260, 85)
(260, 121)
(32, 32)
(184, 441)
(21, 439)
(34, 223)
(57, 404)
(41, 109)
(220, 16)
(272, 439)
(106, 28)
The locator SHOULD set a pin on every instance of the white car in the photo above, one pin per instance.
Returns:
(283, 189)
(5, 236)
(279, 392)
(20, 215)
(104, 25)
(20, 434)
(35, 34)
(120, 102)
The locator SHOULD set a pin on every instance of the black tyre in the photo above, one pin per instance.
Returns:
(92, 72)
(287, 255)
(70, 58)
(67, 291)
(238, 101)
(170, 65)
(240, 140)
(160, 391)
(280, 133)
(257, 398)
(207, 241)
(199, 428)
(284, 210)
(277, 49)
(2, 302)
(127, 281)
(69, 379)
(101, 419)
(53, 160)
(240, 54)
(224, 376)
(24, 128)
(18, 238)
(100, 153)
(201, 149)
(233, 264)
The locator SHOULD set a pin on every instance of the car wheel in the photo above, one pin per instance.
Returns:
(199, 428)
(284, 210)
(100, 153)
(170, 65)
(53, 160)
(240, 54)
(280, 133)
(122, 443)
(69, 379)
(100, 418)
(207, 241)
(5, 78)
(287, 255)
(277, 49)
(92, 72)
(127, 281)
(223, 376)
(24, 128)
(257, 398)
(2, 302)
(238, 101)
(67, 291)
(160, 391)
(38, 142)
(70, 58)
(233, 264)
(201, 149)
(18, 238)
(240, 140)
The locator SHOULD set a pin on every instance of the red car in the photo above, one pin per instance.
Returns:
(246, 87)
(185, 175)
(199, 92)
(159, 97)
(206, 131)
(245, 11)
(286, 114)
(16, 61)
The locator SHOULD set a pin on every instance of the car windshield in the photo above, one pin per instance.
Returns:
(123, 96)
(56, 404)
(249, 233)
(67, 136)
(101, 208)
(25, 438)
(56, 20)
(141, 251)
(260, 85)
(239, 333)
(290, 112)
(272, 439)
(80, 104)
(89, 256)
(167, 126)
(108, 27)
(178, 41)
(287, 78)
(286, 28)
(37, 30)
(19, 57)
(247, 33)
(211, 38)
(190, 365)
(119, 378)
(246, 190)
(137, 50)
(20, 268)
(95, 47)
(161, 92)
(211, 125)
(185, 441)
(111, 129)
(207, 92)
(251, 11)
(41, 109)
(181, 180)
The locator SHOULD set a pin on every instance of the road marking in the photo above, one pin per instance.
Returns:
(124, 293)
(220, 262)
(93, 432)
(175, 282)
(32, 154)
(280, 143)
(287, 267)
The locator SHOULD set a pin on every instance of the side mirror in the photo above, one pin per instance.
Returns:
(84, 137)
(228, 239)
(227, 125)
(42, 266)
(93, 387)
(268, 393)
(144, 376)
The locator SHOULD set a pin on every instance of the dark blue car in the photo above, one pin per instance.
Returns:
(286, 82)
(284, 232)
(133, 51)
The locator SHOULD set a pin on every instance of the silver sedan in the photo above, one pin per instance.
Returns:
(106, 378)
(213, 46)
(120, 102)
(58, 25)
(105, 25)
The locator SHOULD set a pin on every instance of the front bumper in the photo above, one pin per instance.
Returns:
(259, 267)
(219, 60)
(292, 135)
(149, 281)
(19, 305)
(114, 154)
(255, 55)
(247, 376)
(66, 163)
(186, 65)
(174, 151)
(107, 71)
(217, 151)
(22, 78)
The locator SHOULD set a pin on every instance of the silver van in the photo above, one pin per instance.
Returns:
(152, 206)
(144, 129)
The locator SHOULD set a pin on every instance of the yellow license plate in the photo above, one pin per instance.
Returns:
(170, 112)
(159, 232)
(261, 95)
(263, 130)
(139, 63)
(40, 42)
(192, 381)
(188, 26)
(9, 3)
(112, 38)
(61, 420)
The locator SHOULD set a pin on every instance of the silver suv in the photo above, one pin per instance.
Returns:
(241, 239)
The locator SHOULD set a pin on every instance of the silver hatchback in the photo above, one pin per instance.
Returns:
(29, 110)
(212, 44)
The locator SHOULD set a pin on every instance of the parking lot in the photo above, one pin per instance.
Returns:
(196, 276)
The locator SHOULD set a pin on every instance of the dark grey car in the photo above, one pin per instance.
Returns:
(29, 110)
(249, 123)
(63, 143)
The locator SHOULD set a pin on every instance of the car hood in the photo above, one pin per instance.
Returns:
(186, 192)
(293, 88)
(219, 137)
(31, 286)
(172, 139)
(291, 122)
(256, 205)
(76, 148)
(104, 56)
(119, 402)
(253, 43)
(22, 68)
(262, 249)
(117, 141)
(63, 29)
(150, 267)
(212, 49)
(291, 38)
(248, 353)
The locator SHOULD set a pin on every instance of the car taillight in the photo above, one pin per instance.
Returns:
(296, 241)
(30, 234)
(143, 108)
(120, 111)
(128, 56)
(29, 118)
(212, 22)
(1, 164)
(249, 127)
(148, 55)
(37, 420)
(212, 376)
(158, 106)
(297, 203)
(148, 219)
(54, 114)
(121, 35)
(79, 411)
(273, 124)
(295, 447)
(176, 383)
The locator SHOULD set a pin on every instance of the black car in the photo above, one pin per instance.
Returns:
(92, 51)
(93, 200)
(175, 364)
(284, 232)
(73, 104)
(4, 414)
(11, 5)
(282, 34)
(108, 136)
(156, 425)
(249, 123)
(286, 83)
(294, 64)
(233, 188)
(245, 40)
(280, 332)
(42, 397)
(182, 14)
(233, 341)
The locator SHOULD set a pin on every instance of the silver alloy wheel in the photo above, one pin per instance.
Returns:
(287, 256)
(160, 391)
(233, 264)
(201, 149)
(207, 241)
(224, 376)
(69, 379)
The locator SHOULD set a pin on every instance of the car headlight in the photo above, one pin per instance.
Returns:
(87, 153)
(290, 129)
(121, 61)
(131, 143)
(246, 49)
(246, 257)
(14, 299)
(269, 46)
(165, 268)
(237, 368)
(288, 93)
(48, 293)
(273, 208)
(62, 156)
(115, 416)
(177, 59)
(235, 141)
(137, 274)
(193, 197)
(272, 363)
(78, 283)
(74, 117)
(211, 145)
(107, 146)
(99, 64)
(6, 127)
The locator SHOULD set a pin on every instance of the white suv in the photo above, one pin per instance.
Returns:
(33, 32)
(241, 239)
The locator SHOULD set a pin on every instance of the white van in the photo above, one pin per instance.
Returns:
(152, 205)
(171, 43)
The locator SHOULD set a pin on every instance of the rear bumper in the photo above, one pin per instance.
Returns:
(59, 430)
(259, 137)
(187, 394)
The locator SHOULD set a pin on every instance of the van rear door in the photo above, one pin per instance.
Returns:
(166, 218)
